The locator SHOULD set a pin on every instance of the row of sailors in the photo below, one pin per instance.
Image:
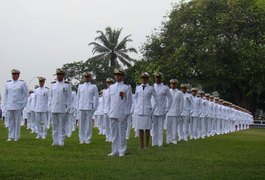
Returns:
(148, 111)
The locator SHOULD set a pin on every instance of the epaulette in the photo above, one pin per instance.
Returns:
(66, 82)
(8, 81)
(22, 80)
(53, 82)
(46, 87)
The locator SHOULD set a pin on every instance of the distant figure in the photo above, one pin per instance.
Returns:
(87, 102)
(120, 103)
(60, 105)
(143, 109)
(15, 99)
(164, 99)
(41, 108)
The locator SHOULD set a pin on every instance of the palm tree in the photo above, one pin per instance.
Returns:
(110, 49)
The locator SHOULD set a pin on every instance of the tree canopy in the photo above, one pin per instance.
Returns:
(219, 44)
(110, 49)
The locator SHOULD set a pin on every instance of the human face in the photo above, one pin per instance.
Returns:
(60, 77)
(88, 78)
(194, 93)
(158, 80)
(15, 76)
(184, 89)
(119, 77)
(173, 85)
(108, 84)
(145, 80)
(41, 83)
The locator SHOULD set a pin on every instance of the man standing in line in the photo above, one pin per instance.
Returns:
(105, 96)
(15, 99)
(60, 105)
(185, 114)
(195, 113)
(164, 99)
(87, 102)
(41, 99)
(120, 103)
(174, 120)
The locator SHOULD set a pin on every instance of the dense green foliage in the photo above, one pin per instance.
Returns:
(219, 44)
(234, 156)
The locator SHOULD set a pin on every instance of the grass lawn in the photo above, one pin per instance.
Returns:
(239, 155)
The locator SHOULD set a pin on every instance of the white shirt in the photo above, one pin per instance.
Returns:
(187, 104)
(41, 99)
(164, 99)
(16, 94)
(87, 96)
(120, 107)
(142, 99)
(60, 97)
(177, 103)
(196, 106)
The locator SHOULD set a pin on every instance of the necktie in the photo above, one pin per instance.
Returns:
(144, 87)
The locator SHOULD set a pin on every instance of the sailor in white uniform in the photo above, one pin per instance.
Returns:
(15, 99)
(143, 109)
(41, 100)
(87, 102)
(60, 105)
(164, 100)
(174, 120)
(120, 103)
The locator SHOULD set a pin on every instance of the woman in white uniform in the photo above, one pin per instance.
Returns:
(143, 109)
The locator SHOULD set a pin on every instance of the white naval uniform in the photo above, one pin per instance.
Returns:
(164, 100)
(60, 105)
(174, 120)
(185, 114)
(195, 114)
(119, 110)
(203, 118)
(143, 106)
(15, 99)
(70, 123)
(41, 100)
(32, 115)
(100, 116)
(87, 101)
(105, 96)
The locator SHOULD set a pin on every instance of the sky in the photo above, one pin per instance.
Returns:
(38, 36)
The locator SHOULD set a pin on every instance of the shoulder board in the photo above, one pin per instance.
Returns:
(53, 82)
(66, 82)
(46, 87)
(22, 80)
(8, 81)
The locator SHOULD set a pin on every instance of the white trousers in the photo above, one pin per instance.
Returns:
(85, 126)
(186, 123)
(58, 128)
(172, 129)
(107, 127)
(157, 130)
(129, 126)
(42, 121)
(194, 127)
(118, 134)
(69, 124)
(14, 118)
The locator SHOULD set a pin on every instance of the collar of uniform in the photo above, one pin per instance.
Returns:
(60, 81)
(145, 84)
(158, 84)
(87, 83)
(119, 83)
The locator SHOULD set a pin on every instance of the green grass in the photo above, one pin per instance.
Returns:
(239, 155)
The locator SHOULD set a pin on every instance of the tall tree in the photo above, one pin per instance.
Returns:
(108, 48)
(217, 43)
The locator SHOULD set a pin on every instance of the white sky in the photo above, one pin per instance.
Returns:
(38, 36)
